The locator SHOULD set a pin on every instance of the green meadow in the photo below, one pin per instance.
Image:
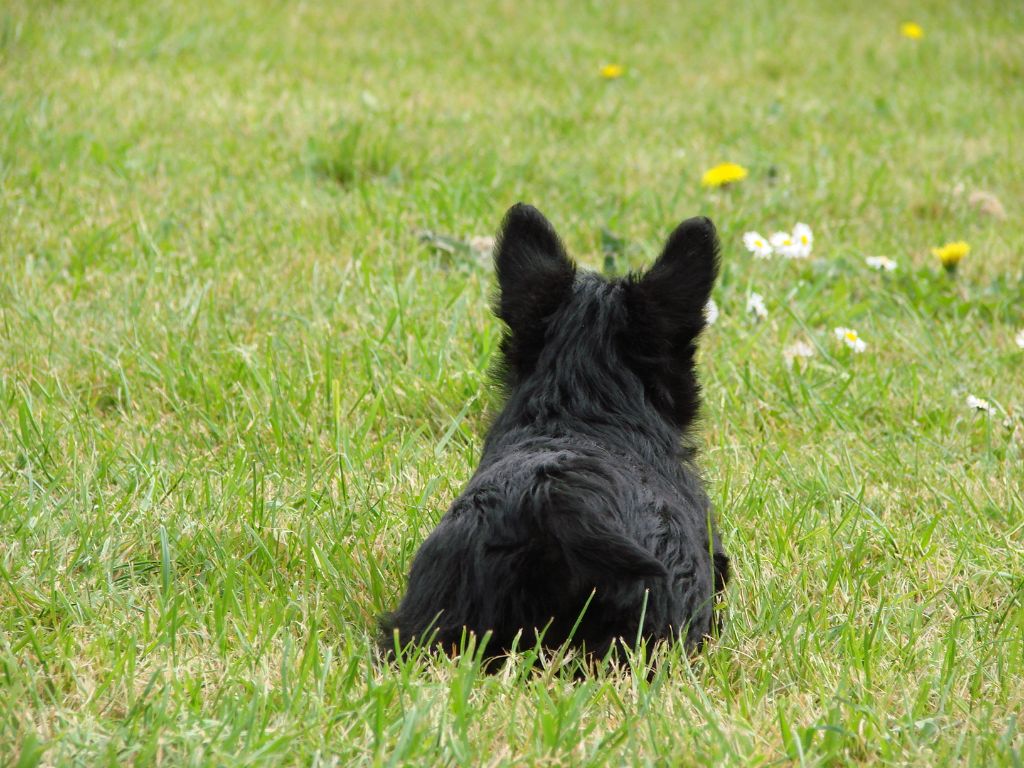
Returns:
(245, 353)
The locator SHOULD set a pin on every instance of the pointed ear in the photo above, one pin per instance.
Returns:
(666, 315)
(674, 291)
(534, 274)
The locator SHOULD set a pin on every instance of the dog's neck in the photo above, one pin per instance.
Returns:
(604, 406)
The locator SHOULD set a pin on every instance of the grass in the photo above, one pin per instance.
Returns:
(237, 388)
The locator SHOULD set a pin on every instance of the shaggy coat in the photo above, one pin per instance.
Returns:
(586, 496)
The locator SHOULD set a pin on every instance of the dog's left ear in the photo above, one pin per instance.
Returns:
(534, 273)
(673, 293)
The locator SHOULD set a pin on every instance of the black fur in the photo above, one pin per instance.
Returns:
(586, 489)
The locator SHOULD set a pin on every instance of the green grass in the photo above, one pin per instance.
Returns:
(237, 389)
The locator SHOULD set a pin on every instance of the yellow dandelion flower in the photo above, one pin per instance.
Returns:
(612, 71)
(722, 174)
(951, 254)
(911, 30)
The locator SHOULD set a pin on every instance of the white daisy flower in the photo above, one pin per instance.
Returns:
(784, 245)
(851, 339)
(803, 241)
(756, 307)
(798, 349)
(757, 245)
(977, 404)
(1019, 338)
(710, 312)
(881, 263)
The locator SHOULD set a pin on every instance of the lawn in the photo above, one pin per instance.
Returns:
(238, 385)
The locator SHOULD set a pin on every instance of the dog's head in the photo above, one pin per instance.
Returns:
(648, 323)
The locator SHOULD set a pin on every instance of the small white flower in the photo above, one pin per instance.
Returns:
(710, 312)
(803, 241)
(977, 404)
(1019, 338)
(784, 245)
(756, 307)
(757, 245)
(851, 339)
(881, 263)
(798, 349)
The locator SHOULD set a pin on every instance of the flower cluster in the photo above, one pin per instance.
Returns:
(797, 244)
(612, 71)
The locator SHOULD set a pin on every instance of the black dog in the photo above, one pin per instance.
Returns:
(586, 496)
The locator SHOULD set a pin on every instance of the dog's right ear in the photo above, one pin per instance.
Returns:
(535, 275)
(666, 307)
(678, 286)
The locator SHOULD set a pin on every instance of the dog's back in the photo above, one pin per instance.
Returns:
(585, 520)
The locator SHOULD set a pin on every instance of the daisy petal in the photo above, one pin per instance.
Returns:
(757, 245)
(851, 339)
(710, 312)
(756, 306)
(881, 263)
(978, 404)
(803, 241)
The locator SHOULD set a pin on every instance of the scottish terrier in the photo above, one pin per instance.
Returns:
(586, 522)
